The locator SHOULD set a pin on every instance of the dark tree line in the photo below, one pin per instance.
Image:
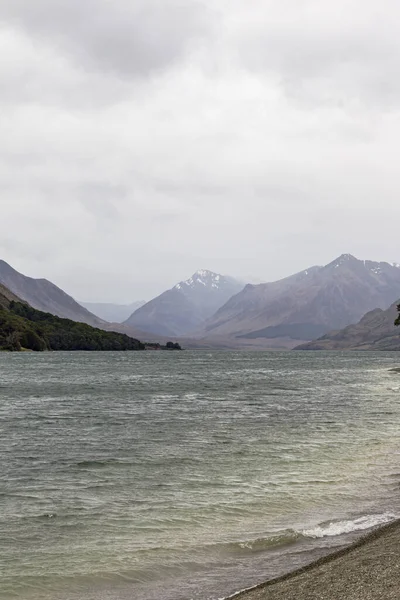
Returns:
(397, 321)
(25, 327)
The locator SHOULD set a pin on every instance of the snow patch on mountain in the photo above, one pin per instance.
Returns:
(204, 278)
(185, 307)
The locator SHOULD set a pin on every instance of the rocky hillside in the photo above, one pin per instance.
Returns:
(45, 296)
(186, 306)
(375, 331)
(308, 304)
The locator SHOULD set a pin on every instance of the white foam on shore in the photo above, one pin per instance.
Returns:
(249, 589)
(334, 528)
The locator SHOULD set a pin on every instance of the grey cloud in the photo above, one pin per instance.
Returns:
(100, 199)
(128, 37)
(35, 74)
(116, 186)
(327, 54)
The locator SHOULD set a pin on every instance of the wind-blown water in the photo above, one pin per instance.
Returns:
(188, 475)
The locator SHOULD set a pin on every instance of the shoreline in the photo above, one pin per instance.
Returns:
(367, 569)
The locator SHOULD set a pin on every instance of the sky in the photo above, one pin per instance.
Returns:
(142, 140)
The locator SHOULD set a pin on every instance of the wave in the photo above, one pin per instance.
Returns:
(334, 528)
(99, 464)
(261, 544)
(292, 536)
(331, 529)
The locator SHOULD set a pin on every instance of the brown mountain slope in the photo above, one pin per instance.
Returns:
(375, 331)
(45, 296)
(307, 304)
(6, 297)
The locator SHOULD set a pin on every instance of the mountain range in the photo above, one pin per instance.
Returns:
(306, 305)
(375, 331)
(341, 305)
(45, 296)
(186, 306)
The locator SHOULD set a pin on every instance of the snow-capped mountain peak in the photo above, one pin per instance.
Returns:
(342, 260)
(203, 278)
(186, 306)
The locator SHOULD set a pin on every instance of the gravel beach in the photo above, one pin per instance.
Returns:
(366, 570)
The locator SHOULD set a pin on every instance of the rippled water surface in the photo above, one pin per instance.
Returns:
(188, 475)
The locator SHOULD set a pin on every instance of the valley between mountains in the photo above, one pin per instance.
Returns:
(346, 304)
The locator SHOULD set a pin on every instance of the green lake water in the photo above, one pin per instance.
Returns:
(188, 475)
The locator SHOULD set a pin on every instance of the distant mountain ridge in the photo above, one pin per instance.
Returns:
(375, 331)
(186, 306)
(322, 303)
(308, 304)
(112, 313)
(45, 296)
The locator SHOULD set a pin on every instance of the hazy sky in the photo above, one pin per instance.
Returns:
(142, 140)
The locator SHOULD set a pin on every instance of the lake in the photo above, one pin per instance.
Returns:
(188, 475)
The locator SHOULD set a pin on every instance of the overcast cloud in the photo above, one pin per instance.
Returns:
(142, 140)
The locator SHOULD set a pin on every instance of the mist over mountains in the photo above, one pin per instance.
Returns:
(322, 303)
(186, 306)
(113, 313)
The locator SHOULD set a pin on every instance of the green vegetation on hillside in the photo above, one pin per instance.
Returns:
(158, 346)
(23, 327)
(397, 321)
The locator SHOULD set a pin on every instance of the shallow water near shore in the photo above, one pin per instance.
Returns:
(188, 475)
